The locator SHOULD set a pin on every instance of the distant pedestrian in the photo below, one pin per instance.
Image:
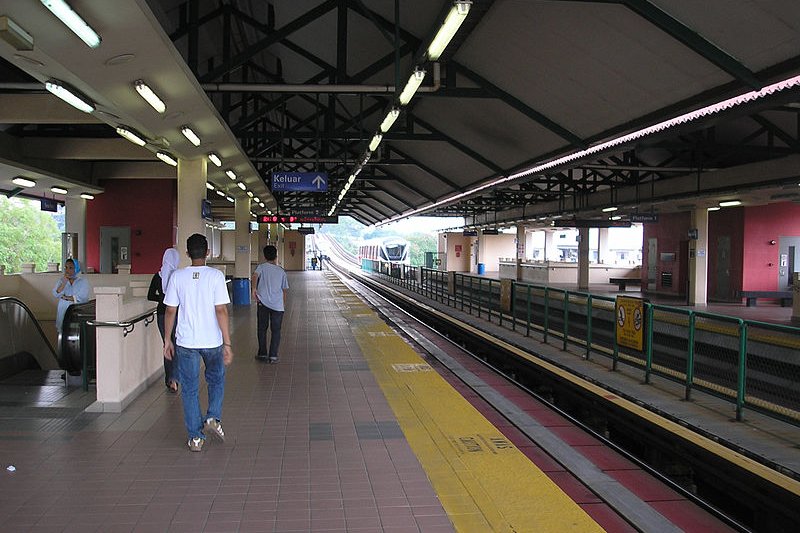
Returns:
(270, 284)
(70, 289)
(321, 257)
(202, 333)
(313, 262)
(158, 287)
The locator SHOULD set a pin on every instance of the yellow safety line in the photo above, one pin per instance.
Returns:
(483, 481)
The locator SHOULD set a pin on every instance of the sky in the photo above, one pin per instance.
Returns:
(424, 224)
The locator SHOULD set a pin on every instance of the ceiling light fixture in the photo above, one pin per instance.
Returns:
(376, 140)
(23, 182)
(452, 22)
(58, 190)
(609, 209)
(167, 158)
(250, 193)
(241, 185)
(11, 33)
(715, 208)
(231, 174)
(229, 199)
(389, 120)
(730, 203)
(220, 192)
(73, 21)
(214, 158)
(132, 135)
(209, 186)
(149, 96)
(70, 95)
(412, 85)
(189, 134)
(87, 196)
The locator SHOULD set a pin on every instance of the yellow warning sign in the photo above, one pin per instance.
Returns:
(630, 322)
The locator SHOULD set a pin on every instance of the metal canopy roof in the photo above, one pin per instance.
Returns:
(302, 85)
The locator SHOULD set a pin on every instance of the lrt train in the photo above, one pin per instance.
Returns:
(389, 249)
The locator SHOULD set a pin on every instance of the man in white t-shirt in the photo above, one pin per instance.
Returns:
(202, 333)
(269, 284)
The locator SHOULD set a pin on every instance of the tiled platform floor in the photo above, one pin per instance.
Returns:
(312, 445)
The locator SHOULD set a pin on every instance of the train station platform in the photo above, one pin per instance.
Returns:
(350, 431)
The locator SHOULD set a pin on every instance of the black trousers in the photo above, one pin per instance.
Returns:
(269, 318)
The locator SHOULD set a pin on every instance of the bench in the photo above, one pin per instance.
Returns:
(784, 296)
(622, 282)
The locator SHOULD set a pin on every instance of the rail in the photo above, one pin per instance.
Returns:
(751, 364)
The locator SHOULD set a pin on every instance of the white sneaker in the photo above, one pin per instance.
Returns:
(196, 444)
(213, 426)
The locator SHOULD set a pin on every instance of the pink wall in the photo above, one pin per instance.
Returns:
(761, 225)
(147, 206)
(671, 229)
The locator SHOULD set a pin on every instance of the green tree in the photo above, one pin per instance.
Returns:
(27, 235)
(419, 244)
(347, 232)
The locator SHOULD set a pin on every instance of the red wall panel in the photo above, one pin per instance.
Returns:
(147, 206)
(727, 222)
(761, 225)
(671, 229)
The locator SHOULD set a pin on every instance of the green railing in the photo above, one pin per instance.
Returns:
(753, 365)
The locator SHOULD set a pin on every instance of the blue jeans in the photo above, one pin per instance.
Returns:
(268, 318)
(189, 375)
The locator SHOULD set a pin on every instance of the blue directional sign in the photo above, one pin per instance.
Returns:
(300, 181)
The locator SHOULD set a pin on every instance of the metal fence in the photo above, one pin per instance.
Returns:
(753, 365)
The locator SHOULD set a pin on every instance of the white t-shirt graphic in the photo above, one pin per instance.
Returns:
(197, 290)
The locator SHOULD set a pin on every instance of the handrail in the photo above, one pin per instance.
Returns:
(33, 319)
(125, 324)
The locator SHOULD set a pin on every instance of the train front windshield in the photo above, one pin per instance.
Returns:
(396, 252)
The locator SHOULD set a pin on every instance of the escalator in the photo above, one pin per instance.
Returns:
(24, 348)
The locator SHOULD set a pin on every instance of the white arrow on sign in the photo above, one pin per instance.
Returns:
(318, 181)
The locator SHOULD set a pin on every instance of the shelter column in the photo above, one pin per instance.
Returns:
(191, 192)
(583, 259)
(520, 249)
(242, 215)
(698, 260)
(75, 222)
(603, 251)
(550, 250)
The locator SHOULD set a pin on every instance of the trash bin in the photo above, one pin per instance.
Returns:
(481, 269)
(241, 291)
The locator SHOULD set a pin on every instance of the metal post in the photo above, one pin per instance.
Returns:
(588, 327)
(546, 312)
(648, 313)
(740, 391)
(566, 318)
(528, 313)
(690, 357)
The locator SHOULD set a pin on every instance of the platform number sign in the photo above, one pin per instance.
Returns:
(630, 322)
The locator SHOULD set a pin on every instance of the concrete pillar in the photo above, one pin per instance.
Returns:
(583, 259)
(550, 250)
(191, 192)
(520, 249)
(75, 222)
(604, 256)
(241, 267)
(698, 258)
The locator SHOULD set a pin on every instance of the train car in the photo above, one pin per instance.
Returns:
(389, 249)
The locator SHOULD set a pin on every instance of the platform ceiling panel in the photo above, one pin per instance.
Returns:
(445, 159)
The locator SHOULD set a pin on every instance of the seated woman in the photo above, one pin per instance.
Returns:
(70, 289)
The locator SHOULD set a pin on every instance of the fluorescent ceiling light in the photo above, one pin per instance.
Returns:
(448, 30)
(220, 192)
(189, 134)
(229, 199)
(616, 217)
(209, 186)
(231, 174)
(149, 96)
(250, 194)
(715, 208)
(132, 135)
(411, 86)
(87, 196)
(167, 158)
(58, 190)
(609, 209)
(389, 120)
(376, 140)
(241, 185)
(73, 21)
(730, 203)
(69, 95)
(214, 158)
(14, 35)
(23, 182)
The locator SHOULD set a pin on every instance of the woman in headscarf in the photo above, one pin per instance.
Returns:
(158, 287)
(70, 289)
